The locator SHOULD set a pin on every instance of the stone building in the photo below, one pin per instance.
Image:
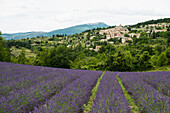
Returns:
(116, 32)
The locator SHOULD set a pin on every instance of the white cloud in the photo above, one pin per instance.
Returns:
(46, 15)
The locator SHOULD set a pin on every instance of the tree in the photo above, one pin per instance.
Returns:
(53, 36)
(153, 35)
(162, 59)
(22, 57)
(121, 61)
(128, 61)
(110, 48)
(168, 55)
(38, 37)
(5, 55)
(78, 62)
(59, 57)
(136, 62)
(101, 61)
(168, 41)
(159, 48)
(129, 29)
(102, 49)
(126, 35)
(168, 28)
(148, 49)
(154, 60)
(143, 35)
(145, 63)
(42, 58)
(129, 42)
(167, 35)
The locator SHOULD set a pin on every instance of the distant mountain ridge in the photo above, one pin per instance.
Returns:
(69, 31)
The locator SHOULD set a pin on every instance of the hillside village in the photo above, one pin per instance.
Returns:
(123, 34)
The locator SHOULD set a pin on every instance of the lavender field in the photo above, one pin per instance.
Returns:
(37, 89)
(148, 90)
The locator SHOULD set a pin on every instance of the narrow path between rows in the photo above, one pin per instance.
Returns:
(88, 106)
(133, 106)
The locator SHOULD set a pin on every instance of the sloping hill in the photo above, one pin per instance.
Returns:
(165, 20)
(69, 31)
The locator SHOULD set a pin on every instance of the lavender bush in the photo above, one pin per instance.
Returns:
(72, 98)
(147, 98)
(158, 80)
(110, 97)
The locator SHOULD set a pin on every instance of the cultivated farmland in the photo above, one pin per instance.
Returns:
(26, 88)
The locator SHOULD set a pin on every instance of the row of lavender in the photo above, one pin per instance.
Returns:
(144, 86)
(24, 87)
(110, 97)
(16, 77)
(158, 80)
(71, 98)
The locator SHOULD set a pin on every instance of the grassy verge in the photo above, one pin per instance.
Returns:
(133, 106)
(88, 106)
(163, 68)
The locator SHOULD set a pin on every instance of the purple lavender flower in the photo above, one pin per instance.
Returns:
(110, 97)
(145, 95)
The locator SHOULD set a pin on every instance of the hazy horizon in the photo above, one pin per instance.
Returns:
(40, 15)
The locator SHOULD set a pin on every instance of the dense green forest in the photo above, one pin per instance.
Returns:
(165, 20)
(148, 52)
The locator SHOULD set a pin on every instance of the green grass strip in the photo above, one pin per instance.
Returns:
(133, 106)
(88, 106)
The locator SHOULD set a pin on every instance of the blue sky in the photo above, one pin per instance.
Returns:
(47, 15)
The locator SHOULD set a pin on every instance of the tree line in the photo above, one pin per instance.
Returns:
(164, 20)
